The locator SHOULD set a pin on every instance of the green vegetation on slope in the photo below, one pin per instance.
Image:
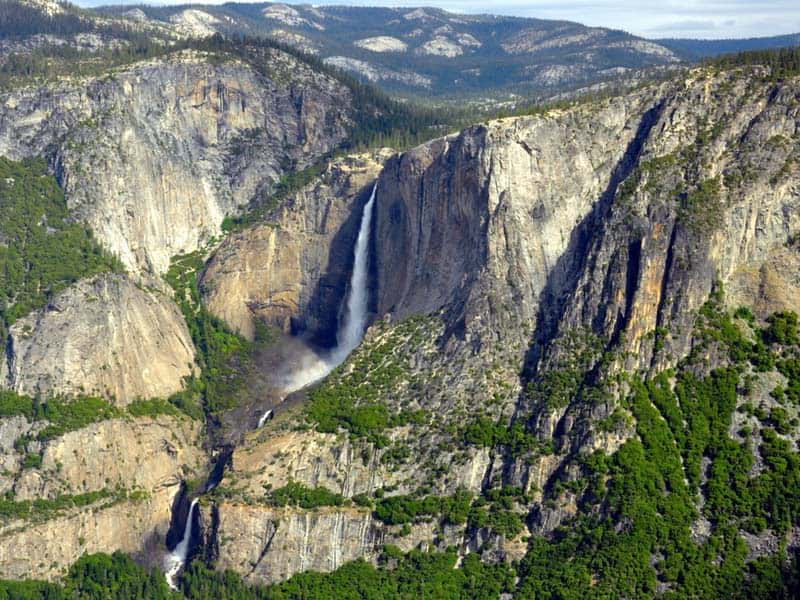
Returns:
(635, 533)
(415, 575)
(42, 509)
(61, 414)
(297, 494)
(349, 398)
(224, 356)
(397, 510)
(486, 433)
(42, 251)
(69, 414)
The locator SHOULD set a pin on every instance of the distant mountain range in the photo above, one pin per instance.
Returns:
(430, 52)
(433, 54)
(693, 49)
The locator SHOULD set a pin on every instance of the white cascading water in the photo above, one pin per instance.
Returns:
(177, 558)
(264, 418)
(355, 321)
(312, 369)
(348, 337)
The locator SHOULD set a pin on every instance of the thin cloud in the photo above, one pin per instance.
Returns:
(685, 26)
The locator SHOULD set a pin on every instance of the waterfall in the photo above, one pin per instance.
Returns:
(264, 418)
(354, 323)
(177, 558)
(355, 319)
(313, 368)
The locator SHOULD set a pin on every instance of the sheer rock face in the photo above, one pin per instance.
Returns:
(292, 270)
(45, 550)
(138, 462)
(524, 218)
(105, 336)
(475, 224)
(154, 157)
(271, 544)
(324, 460)
(143, 453)
(528, 239)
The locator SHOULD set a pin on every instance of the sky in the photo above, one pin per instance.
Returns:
(647, 18)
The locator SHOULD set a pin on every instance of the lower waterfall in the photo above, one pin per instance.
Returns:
(177, 558)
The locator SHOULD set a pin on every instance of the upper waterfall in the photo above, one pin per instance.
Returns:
(355, 318)
(352, 327)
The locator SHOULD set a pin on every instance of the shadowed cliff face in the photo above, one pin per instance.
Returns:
(292, 271)
(431, 225)
(154, 157)
(583, 240)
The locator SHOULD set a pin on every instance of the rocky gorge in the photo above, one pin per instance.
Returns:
(516, 269)
(547, 294)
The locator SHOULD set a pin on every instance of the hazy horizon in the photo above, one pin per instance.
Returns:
(713, 19)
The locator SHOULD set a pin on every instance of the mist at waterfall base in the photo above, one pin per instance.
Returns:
(309, 366)
(306, 366)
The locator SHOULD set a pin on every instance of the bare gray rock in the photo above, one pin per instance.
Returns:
(153, 157)
(106, 336)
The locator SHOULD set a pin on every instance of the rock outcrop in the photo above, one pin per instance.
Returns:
(153, 157)
(108, 486)
(292, 269)
(490, 211)
(271, 544)
(106, 336)
(130, 453)
(45, 550)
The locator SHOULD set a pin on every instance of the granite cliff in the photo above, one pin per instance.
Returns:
(186, 140)
(146, 350)
(563, 247)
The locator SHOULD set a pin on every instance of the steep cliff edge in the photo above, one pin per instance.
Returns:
(520, 266)
(186, 140)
